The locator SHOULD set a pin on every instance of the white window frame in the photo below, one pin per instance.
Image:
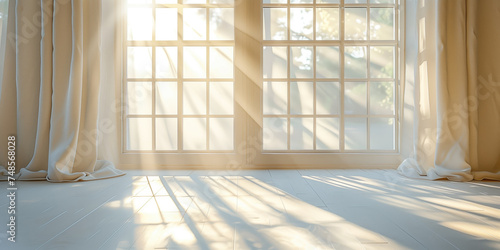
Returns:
(248, 116)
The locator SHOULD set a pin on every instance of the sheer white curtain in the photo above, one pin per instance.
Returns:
(456, 90)
(50, 87)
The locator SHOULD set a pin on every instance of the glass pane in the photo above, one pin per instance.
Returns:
(139, 24)
(221, 98)
(327, 62)
(195, 62)
(355, 24)
(139, 98)
(327, 133)
(355, 98)
(382, 134)
(166, 24)
(166, 62)
(222, 1)
(327, 24)
(194, 98)
(139, 1)
(221, 62)
(166, 98)
(301, 98)
(327, 1)
(275, 24)
(275, 98)
(194, 134)
(301, 134)
(354, 1)
(221, 133)
(327, 98)
(195, 27)
(274, 1)
(381, 1)
(165, 1)
(139, 62)
(382, 23)
(382, 62)
(222, 24)
(355, 62)
(166, 133)
(139, 134)
(301, 1)
(301, 65)
(193, 1)
(382, 98)
(275, 133)
(301, 23)
(355, 134)
(275, 62)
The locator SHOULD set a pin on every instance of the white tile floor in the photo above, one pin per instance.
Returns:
(266, 209)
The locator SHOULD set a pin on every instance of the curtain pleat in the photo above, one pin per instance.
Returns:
(57, 81)
(449, 110)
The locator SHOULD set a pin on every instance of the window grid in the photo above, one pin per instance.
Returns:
(180, 44)
(342, 79)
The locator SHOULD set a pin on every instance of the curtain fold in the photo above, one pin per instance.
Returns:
(450, 111)
(50, 89)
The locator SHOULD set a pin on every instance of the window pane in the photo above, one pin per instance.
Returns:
(166, 133)
(301, 23)
(274, 1)
(301, 134)
(354, 1)
(139, 24)
(222, 24)
(355, 98)
(327, 24)
(194, 1)
(221, 98)
(382, 134)
(221, 133)
(382, 62)
(327, 133)
(139, 98)
(166, 62)
(302, 62)
(222, 1)
(301, 98)
(381, 1)
(327, 1)
(195, 27)
(165, 1)
(382, 23)
(355, 24)
(382, 98)
(355, 134)
(275, 133)
(166, 98)
(221, 62)
(275, 24)
(327, 98)
(139, 62)
(275, 62)
(195, 62)
(301, 1)
(275, 97)
(194, 134)
(166, 24)
(139, 134)
(327, 62)
(355, 62)
(194, 98)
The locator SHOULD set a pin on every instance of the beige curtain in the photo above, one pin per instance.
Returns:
(457, 85)
(50, 89)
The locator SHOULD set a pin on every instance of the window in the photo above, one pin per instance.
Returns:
(267, 83)
(328, 86)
